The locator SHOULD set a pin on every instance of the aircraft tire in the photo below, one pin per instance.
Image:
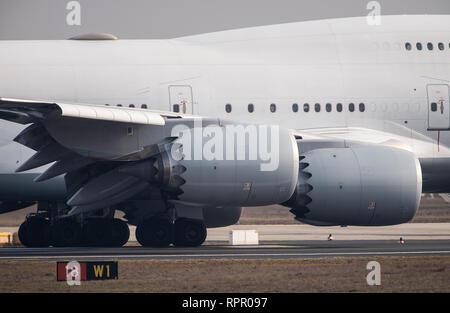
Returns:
(35, 232)
(120, 233)
(66, 233)
(189, 232)
(155, 232)
(23, 233)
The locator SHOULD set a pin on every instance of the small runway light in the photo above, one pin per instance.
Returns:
(330, 237)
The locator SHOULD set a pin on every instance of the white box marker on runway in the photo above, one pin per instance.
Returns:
(243, 237)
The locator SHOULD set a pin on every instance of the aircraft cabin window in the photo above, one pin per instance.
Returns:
(273, 108)
(228, 108)
(441, 46)
(339, 107)
(408, 46)
(131, 106)
(419, 46)
(251, 108)
(317, 107)
(107, 104)
(295, 107)
(351, 107)
(306, 107)
(433, 106)
(328, 107)
(362, 107)
(143, 106)
(119, 105)
(430, 46)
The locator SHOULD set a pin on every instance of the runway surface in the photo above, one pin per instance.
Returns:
(276, 241)
(222, 250)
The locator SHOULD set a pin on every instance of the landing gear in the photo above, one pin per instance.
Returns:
(51, 226)
(99, 232)
(66, 233)
(96, 233)
(35, 232)
(120, 233)
(155, 232)
(24, 233)
(189, 232)
(161, 232)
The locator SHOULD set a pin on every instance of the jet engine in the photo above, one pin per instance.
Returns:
(228, 174)
(365, 185)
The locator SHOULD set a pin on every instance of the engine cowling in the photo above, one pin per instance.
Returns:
(242, 178)
(236, 181)
(365, 185)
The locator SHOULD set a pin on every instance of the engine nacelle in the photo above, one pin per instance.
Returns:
(227, 172)
(366, 185)
(240, 177)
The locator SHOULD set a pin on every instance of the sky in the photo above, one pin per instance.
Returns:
(142, 19)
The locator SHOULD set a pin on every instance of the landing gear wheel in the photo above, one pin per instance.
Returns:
(23, 233)
(97, 233)
(66, 233)
(105, 233)
(120, 233)
(189, 232)
(39, 232)
(155, 232)
(35, 232)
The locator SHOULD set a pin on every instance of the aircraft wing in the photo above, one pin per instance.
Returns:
(386, 134)
(90, 144)
(29, 111)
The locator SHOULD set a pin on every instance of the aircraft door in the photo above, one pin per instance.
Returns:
(180, 98)
(438, 107)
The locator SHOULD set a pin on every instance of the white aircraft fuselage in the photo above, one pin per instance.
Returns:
(297, 75)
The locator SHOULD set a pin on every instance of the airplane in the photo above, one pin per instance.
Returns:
(343, 122)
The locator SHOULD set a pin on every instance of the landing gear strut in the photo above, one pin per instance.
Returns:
(161, 232)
